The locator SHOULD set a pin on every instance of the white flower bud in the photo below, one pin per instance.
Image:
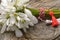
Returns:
(18, 18)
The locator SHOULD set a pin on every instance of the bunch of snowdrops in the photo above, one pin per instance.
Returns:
(11, 20)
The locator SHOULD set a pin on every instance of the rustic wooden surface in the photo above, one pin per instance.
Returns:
(40, 31)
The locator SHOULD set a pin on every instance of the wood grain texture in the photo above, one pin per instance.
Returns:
(40, 31)
(45, 3)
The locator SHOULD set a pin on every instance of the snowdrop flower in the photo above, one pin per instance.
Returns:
(21, 20)
(24, 21)
(6, 8)
(13, 21)
(15, 3)
(6, 21)
(8, 2)
(10, 20)
(31, 17)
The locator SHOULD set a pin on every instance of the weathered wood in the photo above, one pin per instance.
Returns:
(40, 31)
(45, 3)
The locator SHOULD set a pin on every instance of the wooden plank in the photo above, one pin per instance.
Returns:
(40, 31)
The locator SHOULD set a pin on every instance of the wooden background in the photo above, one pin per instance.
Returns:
(40, 31)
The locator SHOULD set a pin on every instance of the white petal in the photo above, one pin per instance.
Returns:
(22, 15)
(26, 24)
(31, 17)
(18, 33)
(8, 6)
(1, 20)
(28, 12)
(4, 2)
(11, 2)
(34, 20)
(4, 20)
(9, 26)
(8, 22)
(3, 28)
(31, 24)
(19, 25)
(27, 19)
(13, 9)
(18, 18)
(12, 20)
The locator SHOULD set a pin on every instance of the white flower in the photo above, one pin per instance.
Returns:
(8, 2)
(7, 9)
(13, 21)
(31, 17)
(14, 3)
(21, 20)
(6, 5)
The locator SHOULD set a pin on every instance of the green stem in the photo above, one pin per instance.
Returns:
(35, 12)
